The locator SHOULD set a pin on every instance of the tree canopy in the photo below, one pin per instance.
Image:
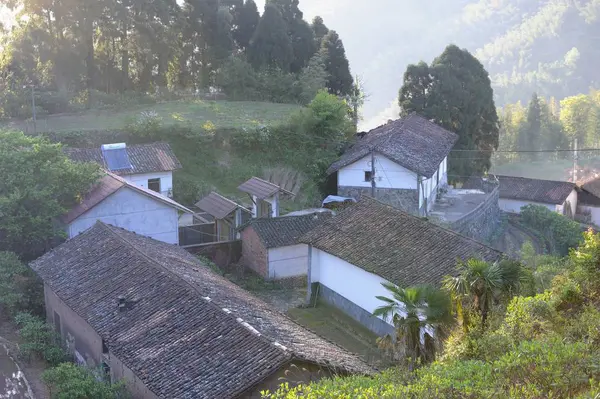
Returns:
(455, 91)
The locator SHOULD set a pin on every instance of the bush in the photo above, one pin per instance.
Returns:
(559, 230)
(585, 327)
(529, 317)
(20, 289)
(68, 380)
(38, 339)
(147, 124)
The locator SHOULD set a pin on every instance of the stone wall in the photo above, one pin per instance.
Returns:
(404, 199)
(223, 254)
(483, 221)
(365, 318)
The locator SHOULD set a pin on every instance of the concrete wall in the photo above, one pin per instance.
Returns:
(286, 262)
(514, 206)
(350, 288)
(166, 181)
(76, 333)
(483, 221)
(388, 174)
(406, 200)
(135, 386)
(132, 211)
(254, 253)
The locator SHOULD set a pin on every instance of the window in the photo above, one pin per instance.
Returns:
(154, 185)
(368, 176)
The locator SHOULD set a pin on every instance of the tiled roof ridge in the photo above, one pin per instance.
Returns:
(150, 144)
(531, 178)
(438, 226)
(226, 311)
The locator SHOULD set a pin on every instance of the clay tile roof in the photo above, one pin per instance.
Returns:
(186, 331)
(403, 249)
(591, 191)
(261, 188)
(285, 230)
(412, 142)
(144, 158)
(536, 190)
(218, 206)
(108, 185)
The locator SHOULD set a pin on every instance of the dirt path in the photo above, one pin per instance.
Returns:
(32, 370)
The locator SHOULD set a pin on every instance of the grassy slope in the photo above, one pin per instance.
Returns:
(218, 113)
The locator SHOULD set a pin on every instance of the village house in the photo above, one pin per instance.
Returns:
(270, 247)
(265, 197)
(588, 201)
(153, 315)
(148, 165)
(403, 163)
(228, 215)
(119, 202)
(516, 192)
(370, 243)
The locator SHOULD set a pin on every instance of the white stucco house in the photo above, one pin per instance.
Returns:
(370, 243)
(271, 247)
(147, 165)
(121, 203)
(403, 163)
(264, 195)
(516, 192)
(589, 201)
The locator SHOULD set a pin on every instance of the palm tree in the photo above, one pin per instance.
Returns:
(480, 282)
(420, 315)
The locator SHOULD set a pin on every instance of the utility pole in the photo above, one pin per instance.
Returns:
(373, 174)
(575, 161)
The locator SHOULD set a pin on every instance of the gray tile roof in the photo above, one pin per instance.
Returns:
(413, 142)
(144, 158)
(218, 206)
(261, 188)
(188, 333)
(108, 185)
(285, 230)
(591, 189)
(403, 249)
(525, 189)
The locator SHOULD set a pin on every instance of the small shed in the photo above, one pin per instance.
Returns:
(227, 214)
(589, 201)
(270, 246)
(265, 197)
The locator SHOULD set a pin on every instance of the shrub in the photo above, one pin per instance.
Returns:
(585, 327)
(561, 231)
(38, 339)
(529, 317)
(146, 124)
(566, 293)
(20, 289)
(68, 380)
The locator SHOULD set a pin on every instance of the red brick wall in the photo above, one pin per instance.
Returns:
(254, 253)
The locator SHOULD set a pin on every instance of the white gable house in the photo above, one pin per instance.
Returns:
(370, 243)
(403, 163)
(149, 166)
(116, 201)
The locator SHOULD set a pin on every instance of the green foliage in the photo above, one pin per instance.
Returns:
(69, 381)
(586, 262)
(39, 184)
(562, 232)
(271, 46)
(416, 311)
(20, 289)
(529, 318)
(455, 91)
(38, 339)
(339, 78)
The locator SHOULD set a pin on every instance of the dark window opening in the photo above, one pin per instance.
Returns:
(104, 347)
(154, 185)
(57, 323)
(368, 176)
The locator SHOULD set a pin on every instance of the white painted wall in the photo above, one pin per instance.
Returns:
(351, 282)
(132, 211)
(514, 206)
(388, 174)
(572, 199)
(290, 261)
(273, 201)
(594, 213)
(166, 181)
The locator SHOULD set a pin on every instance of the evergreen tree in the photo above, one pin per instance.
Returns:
(245, 23)
(303, 44)
(319, 30)
(339, 78)
(271, 45)
(530, 133)
(290, 10)
(455, 91)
